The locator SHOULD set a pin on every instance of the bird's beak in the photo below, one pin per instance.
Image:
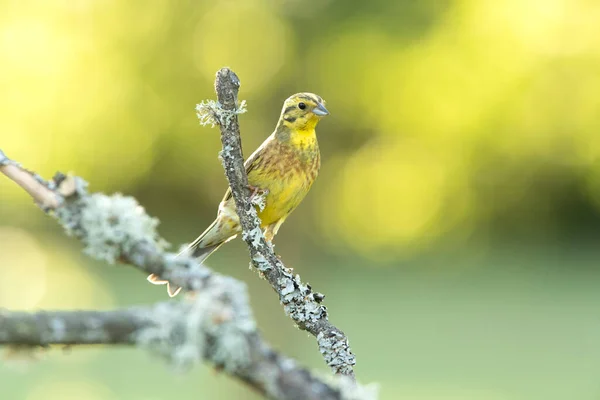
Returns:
(320, 110)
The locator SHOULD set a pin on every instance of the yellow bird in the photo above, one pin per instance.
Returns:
(283, 169)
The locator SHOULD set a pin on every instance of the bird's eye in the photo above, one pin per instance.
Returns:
(301, 106)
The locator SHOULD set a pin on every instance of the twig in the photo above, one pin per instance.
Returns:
(299, 301)
(216, 324)
(29, 181)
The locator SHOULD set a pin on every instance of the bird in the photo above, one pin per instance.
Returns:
(282, 170)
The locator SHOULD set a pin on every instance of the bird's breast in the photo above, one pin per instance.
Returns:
(288, 180)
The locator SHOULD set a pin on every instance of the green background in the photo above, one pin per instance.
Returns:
(454, 226)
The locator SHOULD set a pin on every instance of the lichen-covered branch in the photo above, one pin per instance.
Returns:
(113, 228)
(215, 325)
(300, 302)
(212, 327)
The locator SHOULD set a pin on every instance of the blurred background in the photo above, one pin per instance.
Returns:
(454, 226)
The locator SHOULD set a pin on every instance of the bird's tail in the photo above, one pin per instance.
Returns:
(206, 244)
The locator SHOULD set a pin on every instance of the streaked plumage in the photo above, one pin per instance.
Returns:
(284, 168)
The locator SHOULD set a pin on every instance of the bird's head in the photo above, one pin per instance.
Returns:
(302, 111)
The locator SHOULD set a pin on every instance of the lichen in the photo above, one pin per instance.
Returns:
(351, 390)
(166, 337)
(210, 112)
(253, 237)
(108, 225)
(303, 306)
(58, 327)
(214, 323)
(226, 152)
(4, 160)
(286, 287)
(261, 263)
(298, 300)
(259, 200)
(336, 351)
(231, 349)
(206, 111)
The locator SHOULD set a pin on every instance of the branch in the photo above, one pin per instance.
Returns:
(299, 301)
(113, 228)
(216, 324)
(183, 333)
(32, 183)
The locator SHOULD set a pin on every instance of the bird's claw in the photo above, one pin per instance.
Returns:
(257, 191)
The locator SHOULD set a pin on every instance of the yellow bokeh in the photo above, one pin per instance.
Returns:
(70, 281)
(108, 92)
(59, 78)
(223, 37)
(23, 276)
(514, 81)
(38, 273)
(462, 154)
(491, 80)
(72, 389)
(367, 49)
(384, 215)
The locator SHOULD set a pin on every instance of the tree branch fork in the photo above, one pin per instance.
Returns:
(214, 323)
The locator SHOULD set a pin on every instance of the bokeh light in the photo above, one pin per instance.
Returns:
(458, 204)
(226, 41)
(70, 390)
(22, 258)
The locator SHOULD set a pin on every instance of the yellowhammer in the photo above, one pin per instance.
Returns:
(283, 168)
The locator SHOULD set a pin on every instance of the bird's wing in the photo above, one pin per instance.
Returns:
(251, 163)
